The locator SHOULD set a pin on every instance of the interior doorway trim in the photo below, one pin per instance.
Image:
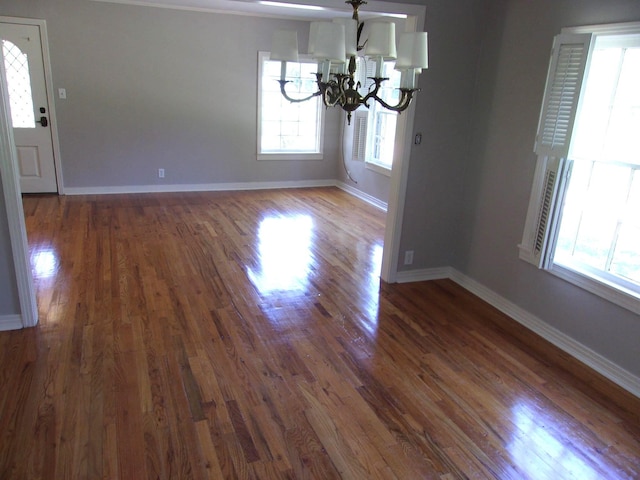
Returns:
(48, 81)
(15, 214)
(398, 182)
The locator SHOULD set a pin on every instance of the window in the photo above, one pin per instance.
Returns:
(381, 130)
(375, 128)
(288, 130)
(19, 86)
(584, 215)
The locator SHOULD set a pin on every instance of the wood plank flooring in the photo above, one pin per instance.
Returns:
(246, 335)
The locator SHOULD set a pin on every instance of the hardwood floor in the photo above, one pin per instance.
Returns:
(246, 335)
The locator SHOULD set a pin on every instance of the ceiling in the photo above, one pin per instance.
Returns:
(328, 9)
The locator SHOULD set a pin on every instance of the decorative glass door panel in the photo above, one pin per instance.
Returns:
(16, 66)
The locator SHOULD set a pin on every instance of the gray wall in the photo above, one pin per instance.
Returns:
(151, 88)
(434, 199)
(500, 166)
(435, 190)
(9, 301)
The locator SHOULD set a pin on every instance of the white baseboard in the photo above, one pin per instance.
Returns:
(362, 196)
(220, 187)
(584, 354)
(201, 187)
(422, 275)
(10, 322)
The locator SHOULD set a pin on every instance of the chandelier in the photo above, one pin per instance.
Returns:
(336, 44)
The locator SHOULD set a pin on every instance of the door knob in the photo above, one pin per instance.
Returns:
(43, 121)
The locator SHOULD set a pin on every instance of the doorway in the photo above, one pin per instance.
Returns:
(24, 54)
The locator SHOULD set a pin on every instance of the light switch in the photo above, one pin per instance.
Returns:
(62, 93)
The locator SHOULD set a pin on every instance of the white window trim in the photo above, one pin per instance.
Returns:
(581, 277)
(586, 280)
(380, 168)
(290, 156)
(603, 29)
(262, 56)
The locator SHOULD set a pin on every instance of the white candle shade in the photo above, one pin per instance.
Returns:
(412, 51)
(382, 40)
(351, 35)
(284, 46)
(327, 41)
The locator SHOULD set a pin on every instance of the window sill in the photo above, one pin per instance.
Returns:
(614, 293)
(290, 156)
(378, 168)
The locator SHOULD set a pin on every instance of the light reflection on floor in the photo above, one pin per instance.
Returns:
(285, 254)
(44, 262)
(376, 264)
(285, 248)
(537, 450)
(373, 289)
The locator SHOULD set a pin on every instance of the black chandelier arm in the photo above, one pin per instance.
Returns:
(373, 90)
(295, 100)
(404, 102)
(329, 90)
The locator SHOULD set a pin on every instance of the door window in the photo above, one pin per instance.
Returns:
(19, 85)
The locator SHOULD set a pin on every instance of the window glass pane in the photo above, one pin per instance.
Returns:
(607, 125)
(574, 203)
(595, 208)
(16, 65)
(289, 126)
(622, 142)
(307, 129)
(631, 214)
(270, 129)
(600, 226)
(272, 69)
(626, 258)
(594, 239)
(608, 187)
(591, 123)
(270, 111)
(389, 90)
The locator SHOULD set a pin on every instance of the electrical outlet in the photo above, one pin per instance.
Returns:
(408, 257)
(161, 173)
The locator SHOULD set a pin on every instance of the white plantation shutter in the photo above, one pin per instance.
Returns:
(364, 74)
(365, 68)
(562, 94)
(554, 188)
(360, 134)
(545, 208)
(569, 59)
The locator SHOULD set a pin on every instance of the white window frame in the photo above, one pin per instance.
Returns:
(372, 163)
(288, 154)
(553, 168)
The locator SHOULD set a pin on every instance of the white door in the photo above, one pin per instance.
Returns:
(22, 54)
